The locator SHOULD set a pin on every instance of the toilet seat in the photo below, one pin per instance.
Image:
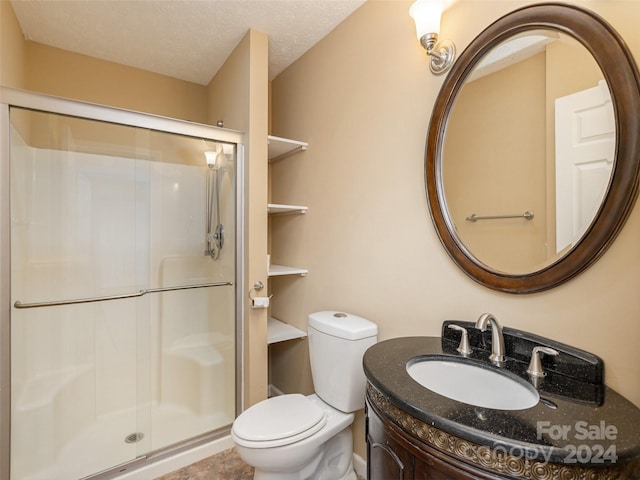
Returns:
(278, 421)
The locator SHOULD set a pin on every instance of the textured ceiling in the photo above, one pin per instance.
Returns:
(186, 39)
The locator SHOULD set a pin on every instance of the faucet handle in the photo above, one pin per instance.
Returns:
(535, 366)
(464, 347)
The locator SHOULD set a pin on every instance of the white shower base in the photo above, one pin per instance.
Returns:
(77, 458)
(59, 434)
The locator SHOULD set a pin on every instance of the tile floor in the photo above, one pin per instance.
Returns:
(223, 466)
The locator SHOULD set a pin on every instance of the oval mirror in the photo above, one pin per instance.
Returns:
(532, 161)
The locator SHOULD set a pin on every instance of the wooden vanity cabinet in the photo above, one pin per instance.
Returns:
(443, 442)
(392, 454)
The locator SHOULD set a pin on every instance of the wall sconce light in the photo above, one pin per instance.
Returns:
(211, 157)
(426, 14)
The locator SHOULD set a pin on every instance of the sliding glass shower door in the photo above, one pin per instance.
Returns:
(123, 265)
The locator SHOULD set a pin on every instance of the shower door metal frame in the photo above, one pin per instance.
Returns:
(19, 98)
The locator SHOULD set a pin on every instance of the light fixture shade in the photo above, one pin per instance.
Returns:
(227, 149)
(426, 14)
(211, 157)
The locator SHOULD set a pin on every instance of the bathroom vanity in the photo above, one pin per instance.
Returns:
(557, 419)
(579, 428)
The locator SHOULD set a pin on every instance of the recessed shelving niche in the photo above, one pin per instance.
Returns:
(280, 148)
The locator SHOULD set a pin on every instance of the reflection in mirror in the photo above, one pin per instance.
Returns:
(511, 140)
(496, 147)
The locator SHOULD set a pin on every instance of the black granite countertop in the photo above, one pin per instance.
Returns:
(561, 428)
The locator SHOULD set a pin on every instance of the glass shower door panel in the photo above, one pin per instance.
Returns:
(193, 330)
(102, 210)
(73, 390)
(75, 213)
(193, 376)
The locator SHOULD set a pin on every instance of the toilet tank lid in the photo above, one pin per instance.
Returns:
(343, 325)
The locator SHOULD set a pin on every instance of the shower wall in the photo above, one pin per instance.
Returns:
(101, 210)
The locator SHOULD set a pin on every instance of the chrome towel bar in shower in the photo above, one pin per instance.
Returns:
(474, 217)
(140, 293)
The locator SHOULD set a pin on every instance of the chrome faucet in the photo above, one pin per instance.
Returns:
(497, 340)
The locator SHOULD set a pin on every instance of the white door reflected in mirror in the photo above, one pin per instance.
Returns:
(585, 150)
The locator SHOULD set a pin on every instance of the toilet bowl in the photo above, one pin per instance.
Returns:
(297, 437)
(325, 448)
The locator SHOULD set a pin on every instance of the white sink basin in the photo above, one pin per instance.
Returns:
(472, 384)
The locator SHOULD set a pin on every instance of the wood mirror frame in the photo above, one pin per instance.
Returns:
(620, 71)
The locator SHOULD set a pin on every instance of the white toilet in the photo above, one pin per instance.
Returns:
(293, 437)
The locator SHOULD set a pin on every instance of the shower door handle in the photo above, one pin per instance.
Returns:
(55, 303)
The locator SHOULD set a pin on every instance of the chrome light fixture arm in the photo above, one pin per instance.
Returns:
(442, 54)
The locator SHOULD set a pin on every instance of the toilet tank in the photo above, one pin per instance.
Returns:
(337, 342)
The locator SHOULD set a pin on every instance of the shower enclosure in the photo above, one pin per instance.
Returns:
(119, 335)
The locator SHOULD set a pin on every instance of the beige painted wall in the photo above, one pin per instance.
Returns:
(362, 98)
(238, 95)
(33, 66)
(12, 49)
(495, 149)
(65, 74)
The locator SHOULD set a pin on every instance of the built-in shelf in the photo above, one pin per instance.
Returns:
(278, 331)
(278, 270)
(279, 209)
(280, 148)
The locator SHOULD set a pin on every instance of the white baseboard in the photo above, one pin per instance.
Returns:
(274, 391)
(360, 465)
